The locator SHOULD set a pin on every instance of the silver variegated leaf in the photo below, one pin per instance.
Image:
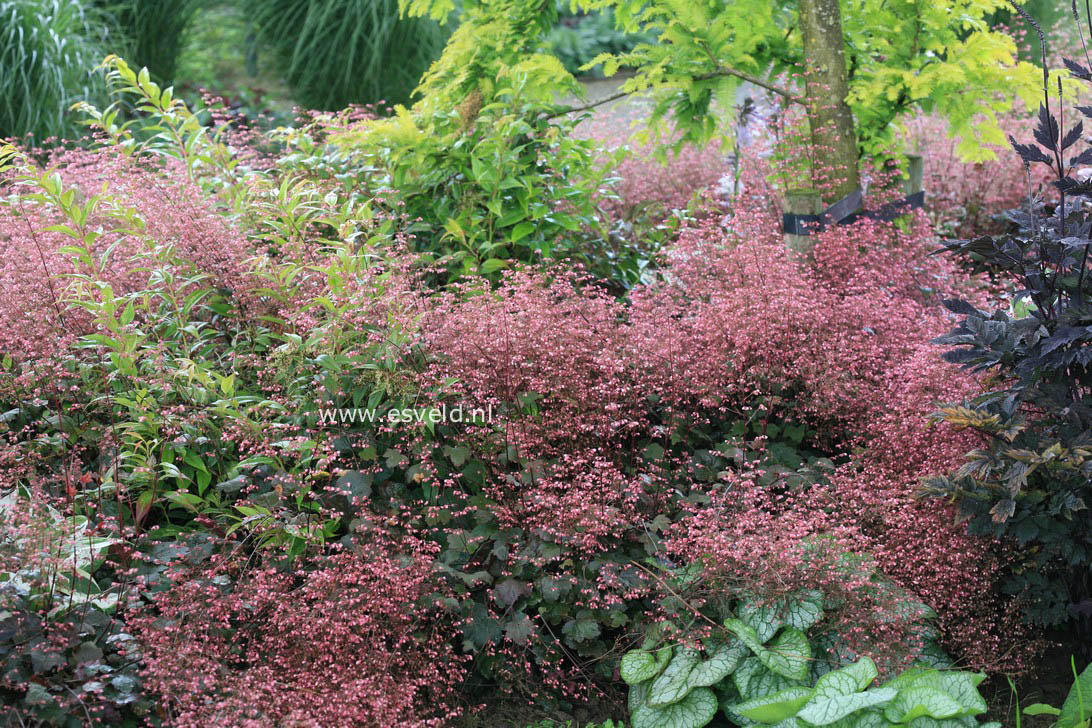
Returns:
(721, 659)
(960, 686)
(825, 710)
(638, 695)
(847, 680)
(694, 711)
(788, 655)
(753, 680)
(674, 682)
(915, 702)
(640, 665)
(765, 620)
(804, 610)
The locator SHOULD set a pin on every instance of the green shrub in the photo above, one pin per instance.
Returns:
(487, 185)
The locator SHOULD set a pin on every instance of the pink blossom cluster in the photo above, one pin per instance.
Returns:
(736, 325)
(354, 639)
(647, 183)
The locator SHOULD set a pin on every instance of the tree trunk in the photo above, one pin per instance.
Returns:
(832, 134)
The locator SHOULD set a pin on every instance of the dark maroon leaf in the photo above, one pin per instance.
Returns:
(1072, 135)
(1030, 152)
(1077, 70)
(1081, 159)
(1046, 131)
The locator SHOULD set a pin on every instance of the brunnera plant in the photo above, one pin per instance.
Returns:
(1031, 477)
(761, 667)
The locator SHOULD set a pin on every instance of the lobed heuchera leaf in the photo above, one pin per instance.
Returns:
(640, 665)
(674, 682)
(694, 711)
(829, 709)
(918, 701)
(776, 707)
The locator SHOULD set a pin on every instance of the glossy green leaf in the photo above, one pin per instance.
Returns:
(519, 232)
(915, 702)
(1077, 707)
(492, 265)
(776, 707)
